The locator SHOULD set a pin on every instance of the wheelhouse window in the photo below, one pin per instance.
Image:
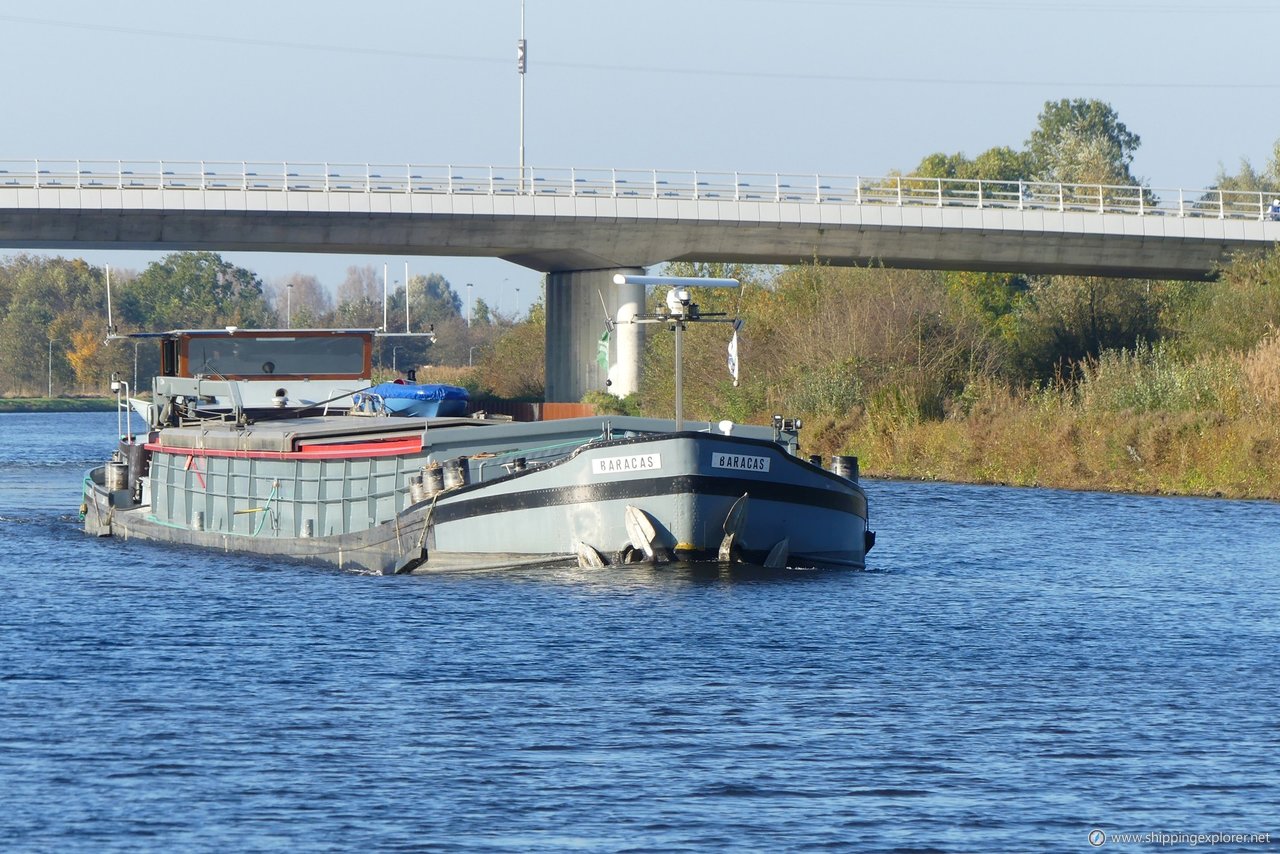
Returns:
(247, 355)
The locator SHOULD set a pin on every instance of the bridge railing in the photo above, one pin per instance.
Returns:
(775, 187)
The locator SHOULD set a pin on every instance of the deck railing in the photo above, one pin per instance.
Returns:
(773, 187)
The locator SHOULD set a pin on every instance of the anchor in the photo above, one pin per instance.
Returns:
(733, 525)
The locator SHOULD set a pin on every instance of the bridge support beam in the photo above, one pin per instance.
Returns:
(575, 322)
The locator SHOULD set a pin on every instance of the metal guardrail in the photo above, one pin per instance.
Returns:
(632, 183)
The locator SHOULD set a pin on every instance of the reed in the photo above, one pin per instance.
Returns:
(1137, 421)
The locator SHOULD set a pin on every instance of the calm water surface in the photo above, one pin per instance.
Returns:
(1015, 669)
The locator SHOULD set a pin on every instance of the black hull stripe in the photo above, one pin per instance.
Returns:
(853, 503)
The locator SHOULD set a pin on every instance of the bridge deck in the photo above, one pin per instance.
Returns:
(571, 219)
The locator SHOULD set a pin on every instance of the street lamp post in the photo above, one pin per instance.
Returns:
(522, 59)
(394, 350)
(515, 310)
(288, 306)
(471, 353)
(470, 302)
(49, 393)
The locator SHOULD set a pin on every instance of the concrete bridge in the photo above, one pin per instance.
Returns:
(580, 226)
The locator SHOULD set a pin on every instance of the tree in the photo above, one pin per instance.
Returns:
(482, 315)
(1082, 142)
(433, 300)
(1063, 320)
(361, 284)
(299, 298)
(994, 164)
(194, 290)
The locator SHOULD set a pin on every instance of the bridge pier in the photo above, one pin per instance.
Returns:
(575, 322)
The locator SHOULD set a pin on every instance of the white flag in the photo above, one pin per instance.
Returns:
(733, 356)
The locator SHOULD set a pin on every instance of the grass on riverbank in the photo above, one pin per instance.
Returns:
(1135, 421)
(57, 404)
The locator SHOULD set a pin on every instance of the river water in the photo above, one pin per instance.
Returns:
(1016, 669)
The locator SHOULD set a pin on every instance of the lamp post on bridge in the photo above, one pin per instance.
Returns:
(394, 351)
(470, 303)
(522, 58)
(288, 306)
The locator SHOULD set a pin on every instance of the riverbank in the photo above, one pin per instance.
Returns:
(1193, 454)
(57, 404)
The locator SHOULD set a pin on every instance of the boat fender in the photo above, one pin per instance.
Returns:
(417, 489)
(456, 473)
(869, 541)
(432, 479)
(846, 467)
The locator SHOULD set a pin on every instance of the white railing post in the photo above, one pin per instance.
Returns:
(1182, 211)
(244, 176)
(899, 191)
(613, 182)
(326, 177)
(37, 179)
(979, 195)
(695, 185)
(858, 182)
(737, 187)
(573, 181)
(777, 187)
(408, 188)
(77, 173)
(368, 181)
(1102, 205)
(1222, 205)
(450, 184)
(939, 192)
(284, 173)
(119, 174)
(161, 175)
(491, 191)
(1142, 203)
(655, 183)
(1062, 201)
(817, 189)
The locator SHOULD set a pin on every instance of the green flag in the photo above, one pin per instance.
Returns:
(603, 351)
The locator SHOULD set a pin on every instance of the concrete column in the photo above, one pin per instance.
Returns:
(575, 322)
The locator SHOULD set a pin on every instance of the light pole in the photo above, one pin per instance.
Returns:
(288, 306)
(522, 59)
(394, 350)
(470, 302)
(49, 393)
(471, 353)
(515, 310)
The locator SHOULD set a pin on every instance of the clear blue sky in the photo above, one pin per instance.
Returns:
(834, 86)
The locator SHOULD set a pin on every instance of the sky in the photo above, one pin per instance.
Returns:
(841, 87)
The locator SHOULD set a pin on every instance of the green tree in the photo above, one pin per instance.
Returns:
(1082, 141)
(194, 290)
(1064, 320)
(994, 164)
(1251, 180)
